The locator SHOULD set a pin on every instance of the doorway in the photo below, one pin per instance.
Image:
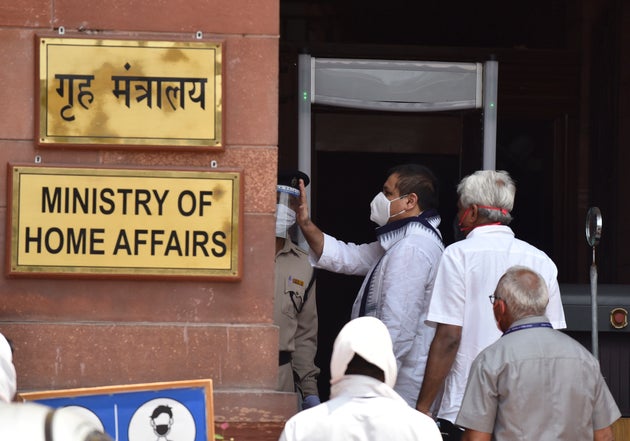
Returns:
(350, 163)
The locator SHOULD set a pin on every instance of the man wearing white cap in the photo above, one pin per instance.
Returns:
(36, 422)
(7, 371)
(363, 405)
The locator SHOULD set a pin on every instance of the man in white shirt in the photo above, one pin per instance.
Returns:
(363, 405)
(469, 271)
(399, 267)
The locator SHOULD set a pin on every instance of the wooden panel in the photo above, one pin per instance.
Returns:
(621, 429)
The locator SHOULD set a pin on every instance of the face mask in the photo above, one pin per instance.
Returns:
(464, 230)
(285, 218)
(379, 209)
(162, 429)
(458, 233)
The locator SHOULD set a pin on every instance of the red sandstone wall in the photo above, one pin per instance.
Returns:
(81, 333)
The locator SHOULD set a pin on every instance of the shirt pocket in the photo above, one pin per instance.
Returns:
(293, 298)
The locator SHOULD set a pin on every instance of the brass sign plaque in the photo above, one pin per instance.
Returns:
(124, 92)
(124, 222)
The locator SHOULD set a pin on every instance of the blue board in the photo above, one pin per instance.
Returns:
(179, 411)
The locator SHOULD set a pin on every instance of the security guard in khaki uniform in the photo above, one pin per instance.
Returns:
(295, 309)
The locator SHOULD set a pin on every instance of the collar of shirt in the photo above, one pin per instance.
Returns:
(362, 386)
(289, 247)
(530, 320)
(490, 229)
(395, 231)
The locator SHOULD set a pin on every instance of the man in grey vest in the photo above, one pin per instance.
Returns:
(535, 383)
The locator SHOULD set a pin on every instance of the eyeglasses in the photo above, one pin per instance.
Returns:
(493, 298)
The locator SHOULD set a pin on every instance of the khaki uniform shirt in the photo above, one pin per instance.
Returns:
(295, 313)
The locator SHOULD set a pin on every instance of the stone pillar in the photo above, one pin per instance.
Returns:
(71, 333)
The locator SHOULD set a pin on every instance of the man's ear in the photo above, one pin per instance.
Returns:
(473, 213)
(499, 313)
(412, 199)
(501, 307)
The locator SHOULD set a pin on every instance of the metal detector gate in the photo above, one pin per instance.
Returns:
(400, 86)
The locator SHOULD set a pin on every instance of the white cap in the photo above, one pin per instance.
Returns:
(369, 338)
(7, 372)
(27, 421)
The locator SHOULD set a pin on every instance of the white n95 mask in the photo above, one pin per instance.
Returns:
(379, 209)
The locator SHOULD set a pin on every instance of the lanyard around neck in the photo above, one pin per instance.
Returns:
(527, 326)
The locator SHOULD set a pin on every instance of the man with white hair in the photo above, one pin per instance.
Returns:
(535, 382)
(363, 405)
(468, 272)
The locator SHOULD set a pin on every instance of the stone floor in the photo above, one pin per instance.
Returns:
(250, 431)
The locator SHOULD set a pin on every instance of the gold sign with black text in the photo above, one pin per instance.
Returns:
(124, 222)
(124, 92)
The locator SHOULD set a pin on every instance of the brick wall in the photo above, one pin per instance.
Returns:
(82, 333)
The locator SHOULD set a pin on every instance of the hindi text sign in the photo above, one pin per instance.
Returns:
(124, 92)
(126, 222)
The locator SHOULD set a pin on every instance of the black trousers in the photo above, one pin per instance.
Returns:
(449, 431)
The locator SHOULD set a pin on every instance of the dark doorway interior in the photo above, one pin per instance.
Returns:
(345, 183)
(525, 149)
